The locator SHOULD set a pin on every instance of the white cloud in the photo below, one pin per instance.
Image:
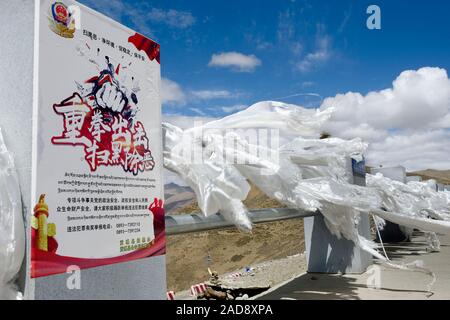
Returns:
(211, 94)
(414, 150)
(417, 99)
(406, 124)
(286, 26)
(347, 15)
(236, 61)
(173, 18)
(172, 93)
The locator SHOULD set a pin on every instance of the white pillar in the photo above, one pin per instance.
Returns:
(325, 252)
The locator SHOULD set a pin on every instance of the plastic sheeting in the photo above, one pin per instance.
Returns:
(418, 199)
(12, 233)
(306, 173)
(415, 199)
(201, 155)
(218, 186)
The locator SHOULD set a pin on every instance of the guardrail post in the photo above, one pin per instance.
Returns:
(325, 252)
(73, 268)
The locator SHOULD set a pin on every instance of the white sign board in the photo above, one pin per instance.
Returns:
(97, 156)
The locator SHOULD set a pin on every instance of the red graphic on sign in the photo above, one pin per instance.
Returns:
(103, 122)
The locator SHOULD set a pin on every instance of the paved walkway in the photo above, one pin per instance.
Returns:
(394, 284)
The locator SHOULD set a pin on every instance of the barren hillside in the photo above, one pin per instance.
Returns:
(176, 197)
(189, 255)
(441, 176)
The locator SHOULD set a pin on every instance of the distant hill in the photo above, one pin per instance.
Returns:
(441, 176)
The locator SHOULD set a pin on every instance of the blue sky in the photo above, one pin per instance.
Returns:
(281, 35)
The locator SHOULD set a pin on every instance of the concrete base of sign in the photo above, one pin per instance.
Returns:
(140, 279)
(123, 281)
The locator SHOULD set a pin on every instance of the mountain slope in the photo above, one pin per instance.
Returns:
(441, 176)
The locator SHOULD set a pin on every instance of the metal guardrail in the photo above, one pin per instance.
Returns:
(180, 224)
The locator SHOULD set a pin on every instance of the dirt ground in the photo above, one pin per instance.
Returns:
(190, 255)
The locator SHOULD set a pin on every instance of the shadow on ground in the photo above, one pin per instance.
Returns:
(315, 286)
